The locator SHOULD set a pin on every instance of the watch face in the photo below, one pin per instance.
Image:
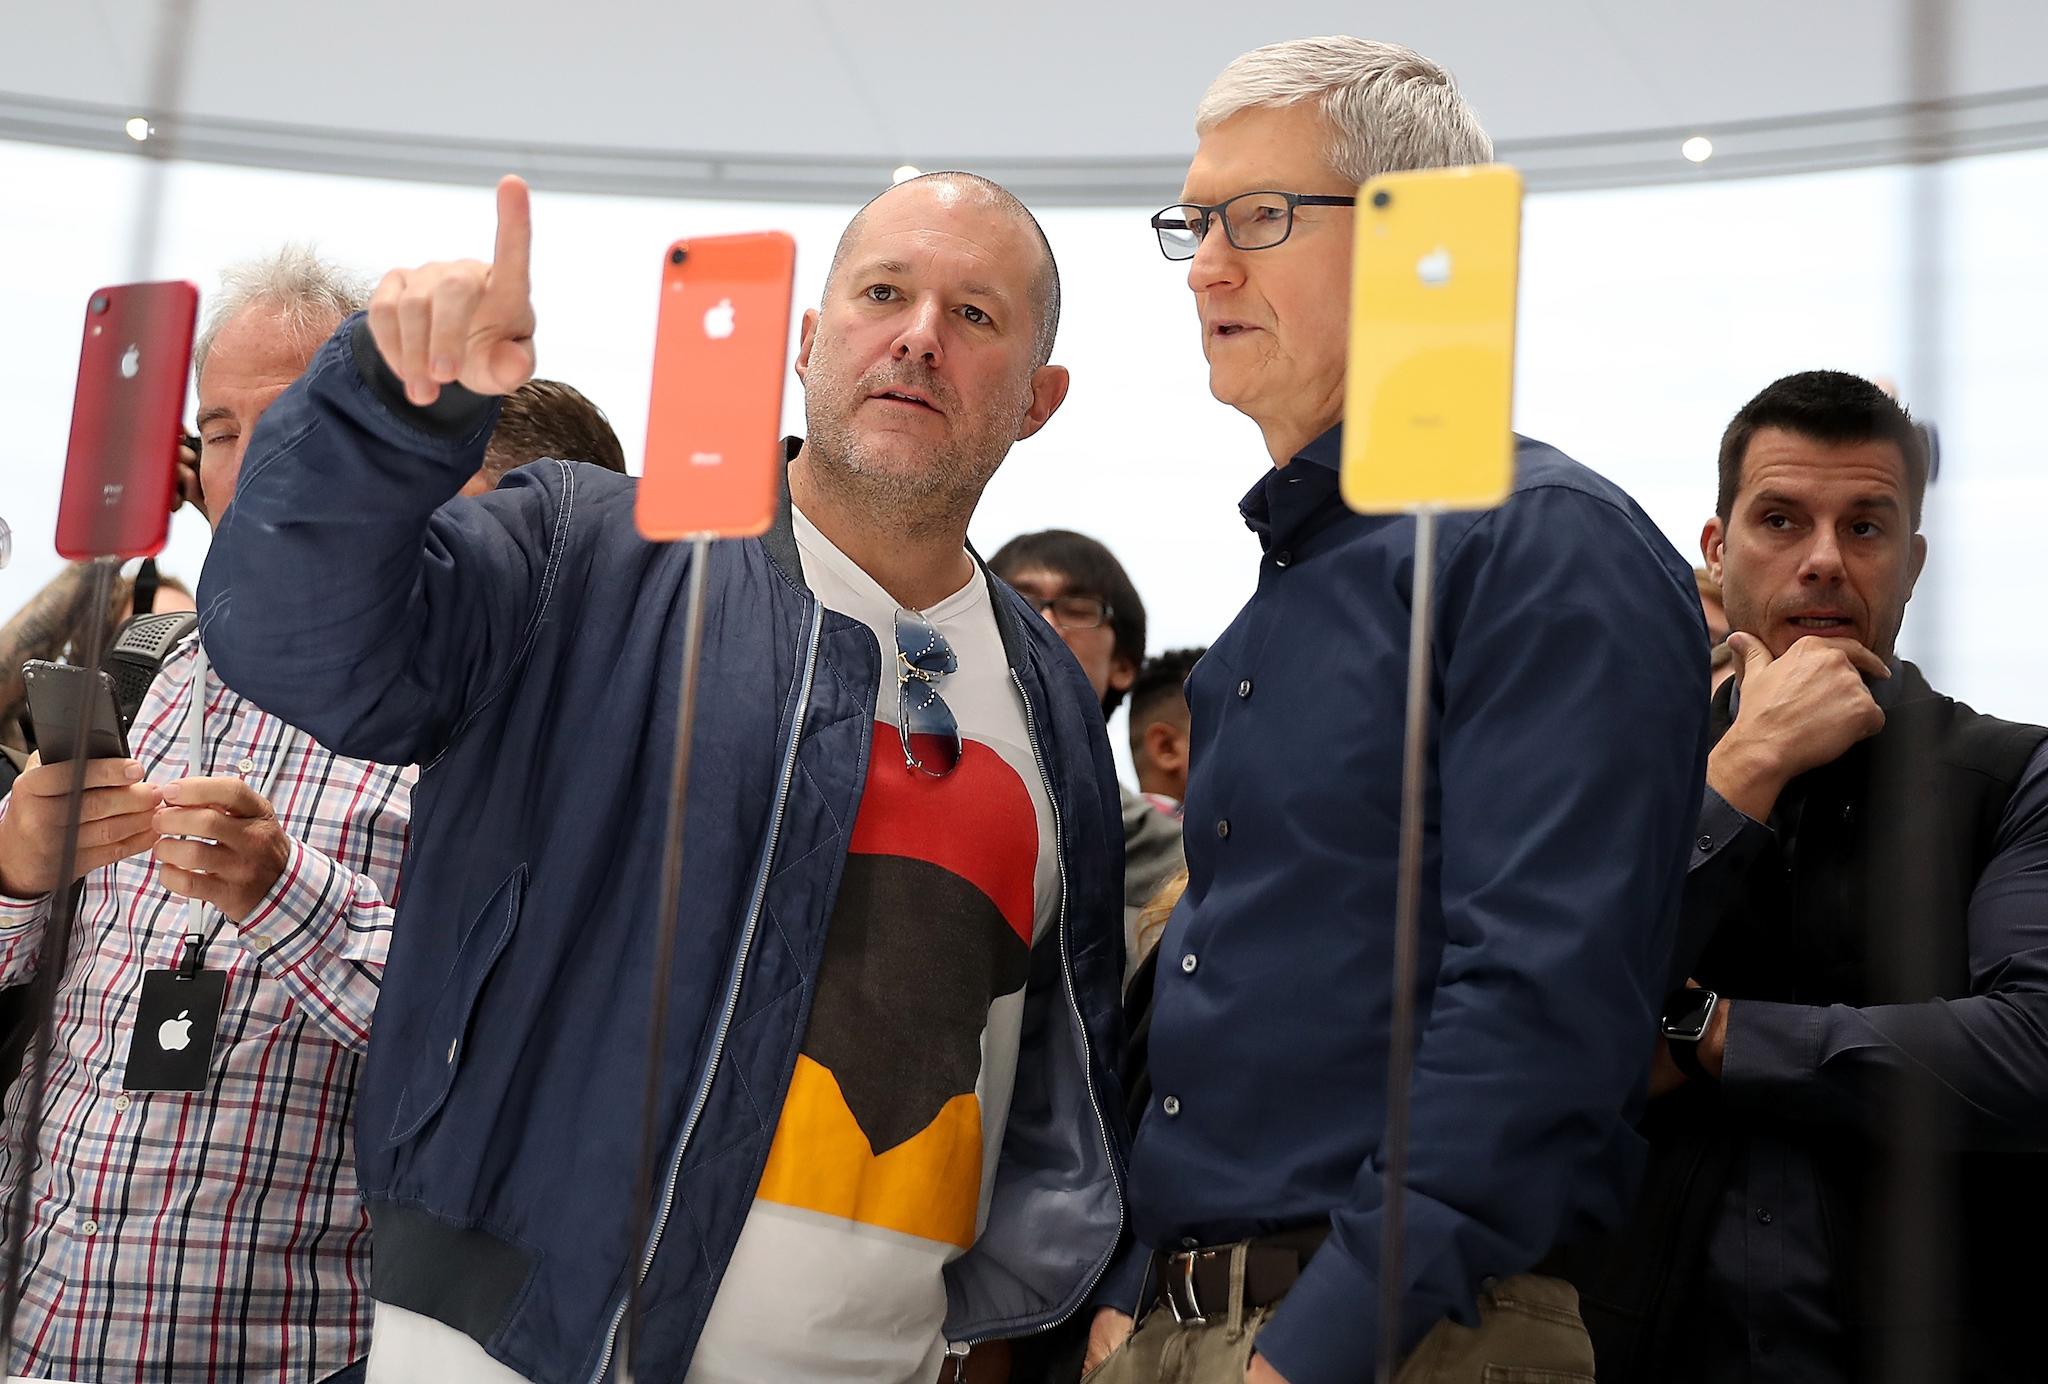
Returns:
(1686, 1013)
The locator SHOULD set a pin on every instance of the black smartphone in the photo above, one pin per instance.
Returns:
(56, 694)
(190, 490)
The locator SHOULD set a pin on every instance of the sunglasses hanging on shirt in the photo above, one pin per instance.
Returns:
(931, 735)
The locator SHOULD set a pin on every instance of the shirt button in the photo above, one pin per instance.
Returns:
(451, 1049)
(1223, 829)
(245, 766)
(1282, 558)
(1244, 689)
(122, 1102)
(1188, 964)
(1848, 812)
(1705, 843)
(89, 1228)
(1171, 1105)
(1763, 1215)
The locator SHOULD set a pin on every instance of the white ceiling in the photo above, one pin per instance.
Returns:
(1067, 100)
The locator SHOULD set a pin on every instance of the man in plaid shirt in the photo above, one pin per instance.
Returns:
(214, 1234)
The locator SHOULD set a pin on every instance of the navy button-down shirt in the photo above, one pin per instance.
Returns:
(1566, 755)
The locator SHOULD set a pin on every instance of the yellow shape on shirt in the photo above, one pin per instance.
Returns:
(928, 1186)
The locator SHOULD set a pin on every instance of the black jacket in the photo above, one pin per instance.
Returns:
(1858, 897)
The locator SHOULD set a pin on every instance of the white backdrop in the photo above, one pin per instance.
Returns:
(1647, 318)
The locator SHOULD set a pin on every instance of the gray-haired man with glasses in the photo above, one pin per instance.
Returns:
(1564, 768)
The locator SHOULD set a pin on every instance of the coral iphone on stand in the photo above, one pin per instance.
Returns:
(121, 469)
(714, 425)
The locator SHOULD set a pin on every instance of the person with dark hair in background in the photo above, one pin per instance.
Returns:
(1078, 585)
(546, 419)
(1851, 1096)
(1159, 728)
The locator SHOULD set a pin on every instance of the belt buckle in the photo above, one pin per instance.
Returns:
(1194, 1316)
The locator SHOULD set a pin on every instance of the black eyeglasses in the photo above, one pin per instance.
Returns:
(1072, 612)
(931, 737)
(1252, 220)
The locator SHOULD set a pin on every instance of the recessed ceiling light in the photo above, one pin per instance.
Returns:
(1698, 149)
(904, 173)
(138, 128)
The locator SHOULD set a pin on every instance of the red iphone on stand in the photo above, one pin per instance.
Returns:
(121, 470)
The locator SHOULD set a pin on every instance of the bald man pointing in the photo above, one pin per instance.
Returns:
(885, 1092)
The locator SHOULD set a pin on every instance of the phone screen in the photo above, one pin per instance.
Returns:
(121, 469)
(721, 352)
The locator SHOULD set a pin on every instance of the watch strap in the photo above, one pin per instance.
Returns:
(1686, 1054)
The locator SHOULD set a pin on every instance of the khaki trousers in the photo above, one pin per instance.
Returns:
(1529, 1332)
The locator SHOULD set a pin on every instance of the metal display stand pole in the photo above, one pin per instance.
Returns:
(169, 57)
(665, 949)
(64, 900)
(1407, 922)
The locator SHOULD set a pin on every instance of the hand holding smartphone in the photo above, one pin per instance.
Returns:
(714, 424)
(56, 693)
(121, 469)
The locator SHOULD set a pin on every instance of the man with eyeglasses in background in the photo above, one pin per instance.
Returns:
(1080, 587)
(1564, 762)
(887, 1102)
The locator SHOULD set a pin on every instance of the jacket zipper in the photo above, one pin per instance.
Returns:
(732, 991)
(1080, 1026)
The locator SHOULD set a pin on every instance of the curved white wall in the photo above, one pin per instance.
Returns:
(1648, 317)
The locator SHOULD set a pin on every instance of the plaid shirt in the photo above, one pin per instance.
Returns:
(216, 1234)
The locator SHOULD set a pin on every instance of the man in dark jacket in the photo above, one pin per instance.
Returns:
(883, 1140)
(1852, 1097)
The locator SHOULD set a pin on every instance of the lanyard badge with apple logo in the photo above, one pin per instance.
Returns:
(170, 1047)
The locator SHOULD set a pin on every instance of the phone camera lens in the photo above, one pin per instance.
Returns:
(99, 302)
(678, 255)
(1382, 198)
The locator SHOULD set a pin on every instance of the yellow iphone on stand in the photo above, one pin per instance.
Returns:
(1430, 382)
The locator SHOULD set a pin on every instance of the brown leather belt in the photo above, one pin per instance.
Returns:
(1194, 1284)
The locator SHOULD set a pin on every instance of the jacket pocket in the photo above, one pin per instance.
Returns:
(439, 1054)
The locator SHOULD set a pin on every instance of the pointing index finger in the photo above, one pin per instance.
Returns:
(514, 251)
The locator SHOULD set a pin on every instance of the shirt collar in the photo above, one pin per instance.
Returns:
(1280, 505)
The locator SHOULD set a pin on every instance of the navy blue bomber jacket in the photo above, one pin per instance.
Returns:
(523, 648)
